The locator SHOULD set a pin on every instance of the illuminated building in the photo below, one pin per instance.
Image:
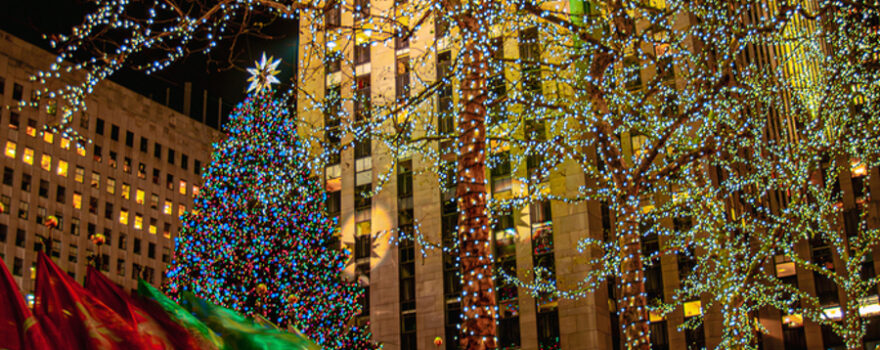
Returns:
(130, 184)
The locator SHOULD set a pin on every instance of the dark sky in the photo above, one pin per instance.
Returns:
(29, 19)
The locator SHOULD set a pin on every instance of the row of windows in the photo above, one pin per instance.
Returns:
(171, 157)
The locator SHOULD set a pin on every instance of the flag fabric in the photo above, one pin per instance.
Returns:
(159, 304)
(19, 329)
(156, 330)
(80, 319)
(239, 332)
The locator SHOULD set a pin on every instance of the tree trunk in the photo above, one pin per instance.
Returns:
(853, 323)
(631, 286)
(477, 272)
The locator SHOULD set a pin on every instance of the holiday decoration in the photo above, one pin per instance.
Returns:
(98, 239)
(51, 221)
(438, 341)
(256, 241)
(263, 75)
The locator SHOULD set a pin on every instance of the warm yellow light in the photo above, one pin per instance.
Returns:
(48, 137)
(859, 168)
(126, 191)
(796, 320)
(693, 308)
(80, 150)
(28, 156)
(138, 222)
(182, 188)
(10, 149)
(46, 162)
(123, 217)
(167, 208)
(65, 143)
(139, 197)
(77, 201)
(62, 168)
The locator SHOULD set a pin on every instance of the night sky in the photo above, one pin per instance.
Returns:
(29, 19)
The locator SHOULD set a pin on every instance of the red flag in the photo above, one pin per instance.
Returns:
(18, 327)
(155, 328)
(81, 320)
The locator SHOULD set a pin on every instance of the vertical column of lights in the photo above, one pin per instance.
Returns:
(504, 237)
(508, 299)
(694, 338)
(406, 254)
(653, 282)
(544, 258)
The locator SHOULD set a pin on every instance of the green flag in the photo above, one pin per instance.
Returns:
(239, 332)
(182, 317)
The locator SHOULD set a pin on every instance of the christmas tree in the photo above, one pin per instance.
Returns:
(257, 240)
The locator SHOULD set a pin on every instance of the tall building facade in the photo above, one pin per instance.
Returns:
(131, 183)
(413, 290)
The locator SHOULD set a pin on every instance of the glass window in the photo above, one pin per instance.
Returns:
(13, 121)
(144, 144)
(77, 200)
(195, 191)
(171, 156)
(138, 222)
(31, 128)
(65, 143)
(111, 185)
(169, 181)
(181, 209)
(182, 189)
(26, 182)
(48, 137)
(96, 180)
(8, 174)
(23, 208)
(166, 230)
(157, 150)
(167, 208)
(153, 228)
(129, 139)
(126, 191)
(80, 149)
(197, 167)
(99, 126)
(28, 157)
(123, 216)
(114, 132)
(98, 153)
(126, 165)
(62, 168)
(139, 196)
(112, 159)
(142, 171)
(46, 162)
(184, 161)
(79, 174)
(154, 201)
(10, 149)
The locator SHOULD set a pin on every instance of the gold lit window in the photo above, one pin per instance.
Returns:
(49, 137)
(77, 200)
(96, 180)
(123, 217)
(138, 222)
(182, 187)
(195, 190)
(153, 228)
(65, 143)
(181, 209)
(62, 168)
(46, 162)
(167, 209)
(693, 308)
(28, 157)
(784, 266)
(139, 197)
(31, 129)
(111, 185)
(79, 174)
(793, 321)
(126, 191)
(81, 150)
(10, 149)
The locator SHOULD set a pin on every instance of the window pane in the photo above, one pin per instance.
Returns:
(62, 168)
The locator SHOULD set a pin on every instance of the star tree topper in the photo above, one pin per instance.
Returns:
(263, 75)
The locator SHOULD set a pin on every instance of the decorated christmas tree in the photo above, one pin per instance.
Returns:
(257, 240)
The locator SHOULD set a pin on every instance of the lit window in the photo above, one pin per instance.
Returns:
(167, 209)
(784, 266)
(139, 196)
(123, 216)
(31, 128)
(77, 200)
(81, 150)
(195, 191)
(96, 180)
(154, 201)
(182, 187)
(111, 185)
(793, 321)
(10, 149)
(62, 168)
(693, 308)
(859, 169)
(138, 222)
(153, 228)
(181, 209)
(28, 157)
(79, 174)
(48, 137)
(870, 306)
(46, 162)
(126, 191)
(65, 143)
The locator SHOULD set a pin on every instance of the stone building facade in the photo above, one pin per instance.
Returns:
(140, 172)
(412, 291)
